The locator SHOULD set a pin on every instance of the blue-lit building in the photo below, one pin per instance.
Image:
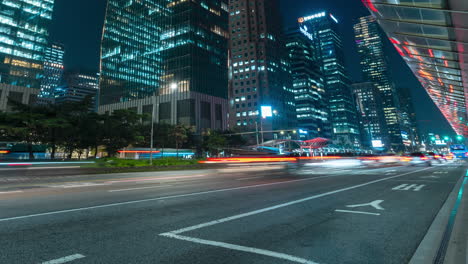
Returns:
(53, 69)
(308, 84)
(374, 68)
(322, 27)
(23, 41)
(167, 59)
(76, 87)
(131, 62)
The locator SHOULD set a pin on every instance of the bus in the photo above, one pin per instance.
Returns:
(459, 151)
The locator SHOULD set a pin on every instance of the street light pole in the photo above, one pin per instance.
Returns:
(152, 131)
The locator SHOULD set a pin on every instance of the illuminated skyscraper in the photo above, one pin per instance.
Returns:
(175, 50)
(323, 29)
(259, 73)
(369, 102)
(374, 68)
(53, 69)
(308, 84)
(131, 62)
(23, 41)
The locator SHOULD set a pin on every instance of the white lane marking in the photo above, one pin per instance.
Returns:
(140, 188)
(390, 170)
(375, 204)
(241, 248)
(64, 259)
(76, 185)
(235, 217)
(155, 199)
(355, 212)
(408, 187)
(432, 176)
(250, 178)
(8, 192)
(440, 172)
(159, 178)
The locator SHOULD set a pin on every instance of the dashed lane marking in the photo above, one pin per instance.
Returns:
(139, 188)
(64, 259)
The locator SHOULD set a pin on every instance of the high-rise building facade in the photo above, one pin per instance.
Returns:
(76, 87)
(53, 69)
(23, 41)
(168, 54)
(308, 84)
(323, 29)
(259, 74)
(410, 132)
(374, 67)
(372, 118)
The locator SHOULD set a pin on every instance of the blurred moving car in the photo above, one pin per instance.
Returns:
(435, 157)
(417, 158)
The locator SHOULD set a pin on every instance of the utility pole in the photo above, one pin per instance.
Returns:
(152, 131)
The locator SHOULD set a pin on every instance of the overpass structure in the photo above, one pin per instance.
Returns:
(432, 37)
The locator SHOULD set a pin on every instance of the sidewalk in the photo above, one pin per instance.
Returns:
(457, 251)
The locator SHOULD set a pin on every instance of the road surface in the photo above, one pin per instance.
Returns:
(341, 215)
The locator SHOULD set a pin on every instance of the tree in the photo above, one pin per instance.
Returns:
(25, 124)
(214, 142)
(180, 135)
(120, 130)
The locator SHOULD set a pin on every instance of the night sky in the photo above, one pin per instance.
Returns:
(78, 25)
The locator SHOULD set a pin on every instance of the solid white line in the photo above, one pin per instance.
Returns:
(154, 199)
(64, 259)
(141, 188)
(11, 192)
(355, 212)
(250, 178)
(235, 217)
(241, 248)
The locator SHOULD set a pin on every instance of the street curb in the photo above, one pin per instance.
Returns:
(457, 248)
(429, 246)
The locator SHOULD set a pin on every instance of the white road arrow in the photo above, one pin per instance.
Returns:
(375, 204)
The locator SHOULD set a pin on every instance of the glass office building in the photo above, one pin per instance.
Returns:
(53, 69)
(431, 37)
(323, 28)
(308, 84)
(174, 50)
(23, 41)
(374, 68)
(369, 102)
(131, 60)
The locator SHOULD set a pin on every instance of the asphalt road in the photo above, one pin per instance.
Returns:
(242, 215)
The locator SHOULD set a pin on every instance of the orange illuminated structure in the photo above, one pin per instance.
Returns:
(431, 37)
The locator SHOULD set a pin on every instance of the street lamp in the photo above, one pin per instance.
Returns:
(173, 86)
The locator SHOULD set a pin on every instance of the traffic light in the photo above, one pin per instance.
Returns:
(446, 138)
(459, 137)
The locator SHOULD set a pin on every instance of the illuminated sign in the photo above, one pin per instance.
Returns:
(266, 111)
(377, 143)
(334, 19)
(306, 33)
(307, 18)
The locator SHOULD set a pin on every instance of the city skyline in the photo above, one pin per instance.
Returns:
(83, 53)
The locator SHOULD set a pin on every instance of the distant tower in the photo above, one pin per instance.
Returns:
(308, 84)
(374, 67)
(259, 74)
(53, 69)
(323, 28)
(372, 119)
